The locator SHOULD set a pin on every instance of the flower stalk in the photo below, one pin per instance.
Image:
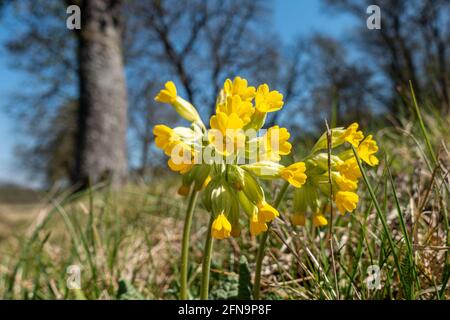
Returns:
(206, 265)
(185, 244)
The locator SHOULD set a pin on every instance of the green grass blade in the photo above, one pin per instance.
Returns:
(382, 217)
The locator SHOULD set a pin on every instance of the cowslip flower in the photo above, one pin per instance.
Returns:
(221, 227)
(184, 108)
(366, 151)
(319, 220)
(275, 143)
(227, 160)
(345, 173)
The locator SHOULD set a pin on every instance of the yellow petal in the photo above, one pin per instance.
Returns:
(167, 95)
(319, 220)
(257, 226)
(221, 227)
(266, 212)
(346, 201)
(295, 174)
(352, 135)
(367, 149)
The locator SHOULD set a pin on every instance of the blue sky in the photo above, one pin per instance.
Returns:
(290, 18)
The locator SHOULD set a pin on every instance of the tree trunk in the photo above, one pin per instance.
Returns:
(102, 117)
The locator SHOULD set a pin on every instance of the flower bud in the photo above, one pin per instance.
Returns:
(249, 208)
(265, 169)
(252, 189)
(201, 176)
(235, 177)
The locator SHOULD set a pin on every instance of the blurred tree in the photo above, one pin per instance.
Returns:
(411, 45)
(52, 158)
(102, 116)
(342, 90)
(194, 42)
(43, 48)
(64, 65)
(199, 42)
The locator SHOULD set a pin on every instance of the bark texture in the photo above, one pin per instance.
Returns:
(102, 117)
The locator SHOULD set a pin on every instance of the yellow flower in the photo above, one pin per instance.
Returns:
(183, 107)
(298, 219)
(349, 168)
(179, 167)
(265, 169)
(235, 104)
(319, 220)
(167, 95)
(352, 135)
(275, 143)
(182, 158)
(226, 133)
(344, 183)
(295, 174)
(346, 201)
(239, 87)
(266, 212)
(164, 137)
(268, 101)
(222, 122)
(257, 226)
(367, 149)
(221, 227)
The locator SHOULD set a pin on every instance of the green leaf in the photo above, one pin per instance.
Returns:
(126, 291)
(245, 280)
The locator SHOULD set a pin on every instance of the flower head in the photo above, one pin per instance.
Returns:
(257, 226)
(319, 220)
(165, 138)
(221, 227)
(240, 88)
(268, 101)
(226, 133)
(346, 201)
(349, 168)
(183, 107)
(275, 144)
(235, 105)
(266, 212)
(367, 149)
(168, 94)
(295, 174)
(352, 135)
(338, 162)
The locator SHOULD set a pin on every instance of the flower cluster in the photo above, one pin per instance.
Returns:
(227, 160)
(344, 173)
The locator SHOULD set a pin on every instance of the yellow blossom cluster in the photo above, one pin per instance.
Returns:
(344, 173)
(227, 160)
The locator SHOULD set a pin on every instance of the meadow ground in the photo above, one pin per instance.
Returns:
(127, 243)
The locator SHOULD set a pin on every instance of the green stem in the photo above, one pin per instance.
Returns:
(262, 246)
(206, 266)
(185, 244)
